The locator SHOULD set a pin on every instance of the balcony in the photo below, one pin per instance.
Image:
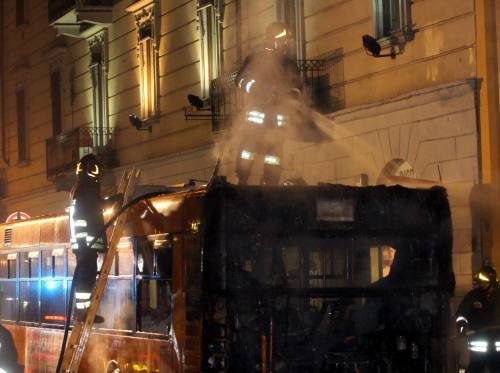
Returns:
(80, 18)
(64, 151)
(323, 88)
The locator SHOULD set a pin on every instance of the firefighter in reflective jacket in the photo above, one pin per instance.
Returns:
(87, 222)
(269, 78)
(478, 316)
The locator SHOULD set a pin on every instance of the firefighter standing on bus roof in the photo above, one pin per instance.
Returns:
(272, 83)
(479, 315)
(87, 222)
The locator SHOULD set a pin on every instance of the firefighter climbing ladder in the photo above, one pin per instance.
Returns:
(75, 348)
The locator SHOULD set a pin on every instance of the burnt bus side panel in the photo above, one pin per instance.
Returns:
(248, 224)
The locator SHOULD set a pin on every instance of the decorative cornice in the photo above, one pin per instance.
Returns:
(140, 4)
(97, 48)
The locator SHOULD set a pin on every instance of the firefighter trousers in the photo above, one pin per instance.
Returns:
(85, 277)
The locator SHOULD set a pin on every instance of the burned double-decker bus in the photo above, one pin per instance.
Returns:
(326, 279)
(243, 279)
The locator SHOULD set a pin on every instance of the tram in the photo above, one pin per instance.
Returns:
(325, 278)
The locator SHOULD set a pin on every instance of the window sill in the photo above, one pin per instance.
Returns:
(396, 38)
(23, 163)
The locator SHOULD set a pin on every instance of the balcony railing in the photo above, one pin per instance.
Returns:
(64, 151)
(324, 88)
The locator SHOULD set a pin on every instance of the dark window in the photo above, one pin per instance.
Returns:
(392, 17)
(28, 265)
(53, 263)
(154, 279)
(29, 301)
(22, 145)
(20, 19)
(4, 270)
(53, 301)
(12, 266)
(59, 269)
(47, 264)
(55, 91)
(8, 265)
(8, 300)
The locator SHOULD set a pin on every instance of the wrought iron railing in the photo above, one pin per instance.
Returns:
(63, 151)
(58, 8)
(324, 81)
(226, 100)
(323, 86)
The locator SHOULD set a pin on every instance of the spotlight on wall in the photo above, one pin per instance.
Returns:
(139, 124)
(195, 101)
(373, 48)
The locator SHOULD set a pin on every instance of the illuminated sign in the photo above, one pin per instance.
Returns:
(16, 216)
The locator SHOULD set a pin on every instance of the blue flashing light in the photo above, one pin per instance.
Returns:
(51, 284)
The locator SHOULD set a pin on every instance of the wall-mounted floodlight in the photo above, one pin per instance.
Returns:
(195, 101)
(139, 124)
(373, 48)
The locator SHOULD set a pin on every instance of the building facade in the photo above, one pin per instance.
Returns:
(112, 77)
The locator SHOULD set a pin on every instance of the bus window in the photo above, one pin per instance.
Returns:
(291, 259)
(29, 286)
(4, 269)
(154, 296)
(28, 264)
(28, 300)
(117, 305)
(7, 288)
(71, 263)
(381, 259)
(144, 261)
(11, 264)
(47, 264)
(125, 262)
(53, 287)
(53, 301)
(58, 260)
(327, 267)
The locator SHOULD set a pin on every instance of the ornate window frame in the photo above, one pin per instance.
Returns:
(147, 19)
(98, 69)
(291, 13)
(210, 16)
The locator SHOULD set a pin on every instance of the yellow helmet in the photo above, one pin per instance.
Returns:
(487, 275)
(88, 166)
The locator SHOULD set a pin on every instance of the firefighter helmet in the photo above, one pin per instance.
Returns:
(486, 275)
(88, 166)
(277, 35)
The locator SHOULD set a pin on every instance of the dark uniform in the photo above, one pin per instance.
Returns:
(272, 83)
(479, 312)
(87, 222)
